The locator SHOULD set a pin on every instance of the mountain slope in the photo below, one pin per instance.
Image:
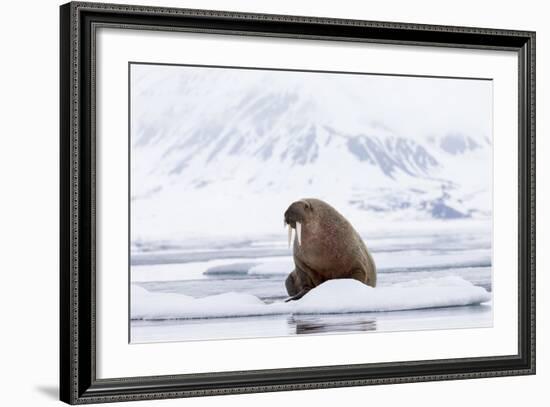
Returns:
(217, 150)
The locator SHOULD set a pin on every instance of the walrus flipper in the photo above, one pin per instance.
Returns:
(292, 284)
(298, 283)
(298, 296)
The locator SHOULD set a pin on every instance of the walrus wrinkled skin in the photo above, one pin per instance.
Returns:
(329, 248)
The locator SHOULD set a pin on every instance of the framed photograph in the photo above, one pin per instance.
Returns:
(255, 203)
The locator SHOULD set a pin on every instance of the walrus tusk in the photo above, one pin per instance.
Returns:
(299, 233)
(289, 235)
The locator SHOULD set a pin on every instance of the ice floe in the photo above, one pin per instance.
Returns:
(331, 297)
(393, 261)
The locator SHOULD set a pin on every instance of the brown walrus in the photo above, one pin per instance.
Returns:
(326, 246)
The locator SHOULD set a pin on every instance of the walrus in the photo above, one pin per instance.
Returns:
(326, 246)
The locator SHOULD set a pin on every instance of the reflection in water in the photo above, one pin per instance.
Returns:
(474, 316)
(314, 324)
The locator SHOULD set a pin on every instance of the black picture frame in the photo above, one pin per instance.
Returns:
(78, 381)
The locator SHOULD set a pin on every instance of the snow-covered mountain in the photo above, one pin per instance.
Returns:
(221, 151)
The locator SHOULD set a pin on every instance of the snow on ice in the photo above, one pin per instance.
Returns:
(333, 296)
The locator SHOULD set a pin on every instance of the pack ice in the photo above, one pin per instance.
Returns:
(332, 297)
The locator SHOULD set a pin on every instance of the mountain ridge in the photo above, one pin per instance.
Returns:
(276, 144)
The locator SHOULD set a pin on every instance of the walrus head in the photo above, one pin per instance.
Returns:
(295, 217)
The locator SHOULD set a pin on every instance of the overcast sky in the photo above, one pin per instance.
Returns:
(411, 106)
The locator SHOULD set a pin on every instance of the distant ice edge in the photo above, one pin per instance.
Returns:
(332, 297)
